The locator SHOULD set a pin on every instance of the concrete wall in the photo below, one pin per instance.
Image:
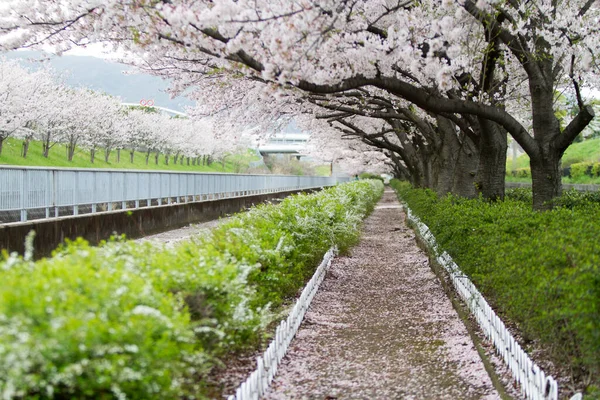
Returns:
(134, 222)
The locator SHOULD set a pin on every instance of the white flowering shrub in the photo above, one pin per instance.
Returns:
(82, 325)
(140, 321)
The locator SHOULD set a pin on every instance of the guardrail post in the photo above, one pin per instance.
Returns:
(48, 192)
(160, 189)
(149, 201)
(124, 192)
(94, 184)
(137, 190)
(110, 192)
(178, 192)
(24, 192)
(75, 197)
(169, 189)
(193, 188)
(55, 192)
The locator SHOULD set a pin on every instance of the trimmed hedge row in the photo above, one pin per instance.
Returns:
(575, 171)
(540, 270)
(579, 170)
(141, 321)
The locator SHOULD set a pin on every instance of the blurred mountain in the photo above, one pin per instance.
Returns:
(105, 76)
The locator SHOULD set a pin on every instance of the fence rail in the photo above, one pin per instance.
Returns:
(34, 193)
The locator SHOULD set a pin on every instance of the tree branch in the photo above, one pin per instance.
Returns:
(574, 128)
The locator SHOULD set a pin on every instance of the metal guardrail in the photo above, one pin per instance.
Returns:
(51, 192)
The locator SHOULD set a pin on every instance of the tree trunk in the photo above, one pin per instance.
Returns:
(458, 161)
(545, 178)
(167, 156)
(147, 156)
(106, 154)
(194, 161)
(25, 147)
(1, 144)
(491, 173)
(92, 154)
(131, 155)
(466, 170)
(430, 172)
(46, 147)
(545, 163)
(156, 156)
(118, 156)
(71, 150)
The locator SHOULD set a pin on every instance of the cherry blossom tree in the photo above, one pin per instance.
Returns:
(456, 59)
(21, 100)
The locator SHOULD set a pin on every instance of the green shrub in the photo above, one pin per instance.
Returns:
(541, 270)
(83, 325)
(520, 194)
(573, 199)
(595, 169)
(366, 175)
(579, 170)
(522, 173)
(142, 321)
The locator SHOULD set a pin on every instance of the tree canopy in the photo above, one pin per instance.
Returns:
(436, 84)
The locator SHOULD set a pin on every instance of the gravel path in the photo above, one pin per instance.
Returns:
(173, 236)
(381, 327)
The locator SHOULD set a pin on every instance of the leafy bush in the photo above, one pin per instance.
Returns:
(520, 194)
(539, 269)
(573, 199)
(141, 321)
(366, 175)
(85, 325)
(582, 169)
(521, 173)
(596, 169)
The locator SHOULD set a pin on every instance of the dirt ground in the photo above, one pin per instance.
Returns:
(381, 327)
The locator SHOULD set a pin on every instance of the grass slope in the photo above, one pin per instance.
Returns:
(588, 150)
(11, 155)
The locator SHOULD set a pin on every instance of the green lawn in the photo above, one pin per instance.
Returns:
(588, 150)
(11, 155)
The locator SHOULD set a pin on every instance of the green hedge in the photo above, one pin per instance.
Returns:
(540, 270)
(367, 175)
(141, 321)
(588, 168)
(520, 172)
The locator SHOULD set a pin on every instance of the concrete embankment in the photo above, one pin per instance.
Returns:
(134, 223)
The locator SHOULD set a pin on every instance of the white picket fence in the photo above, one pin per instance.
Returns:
(534, 383)
(266, 366)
